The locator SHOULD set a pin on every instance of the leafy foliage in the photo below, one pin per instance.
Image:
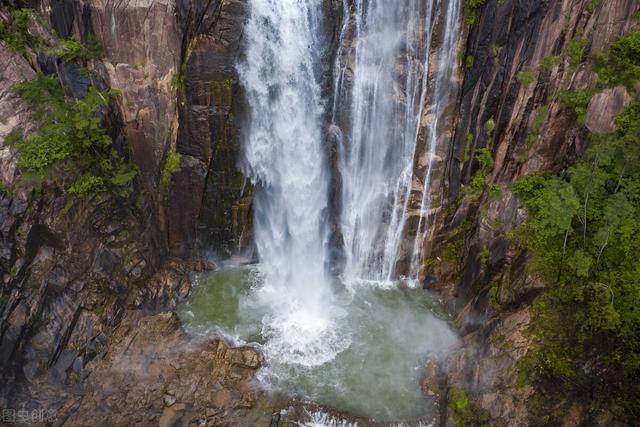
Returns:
(585, 237)
(621, 65)
(71, 139)
(526, 77)
(575, 51)
(577, 101)
(15, 33)
(549, 62)
(71, 49)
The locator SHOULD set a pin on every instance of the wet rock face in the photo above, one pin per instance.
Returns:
(210, 109)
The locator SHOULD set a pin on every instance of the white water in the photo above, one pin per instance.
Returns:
(446, 66)
(384, 102)
(390, 64)
(284, 158)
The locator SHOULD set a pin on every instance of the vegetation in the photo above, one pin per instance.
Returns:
(472, 7)
(15, 33)
(621, 65)
(171, 164)
(584, 234)
(575, 51)
(478, 182)
(468, 63)
(71, 139)
(549, 62)
(526, 77)
(464, 410)
(72, 49)
(577, 101)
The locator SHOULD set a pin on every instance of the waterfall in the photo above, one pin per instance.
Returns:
(390, 62)
(441, 92)
(285, 159)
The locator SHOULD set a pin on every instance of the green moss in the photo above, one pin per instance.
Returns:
(526, 77)
(468, 143)
(464, 410)
(490, 126)
(484, 256)
(472, 7)
(593, 5)
(171, 165)
(452, 252)
(468, 63)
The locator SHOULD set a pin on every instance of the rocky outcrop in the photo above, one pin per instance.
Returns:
(154, 374)
(73, 268)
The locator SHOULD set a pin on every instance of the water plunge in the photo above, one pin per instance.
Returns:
(329, 339)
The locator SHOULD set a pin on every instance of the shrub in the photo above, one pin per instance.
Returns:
(577, 101)
(549, 62)
(526, 77)
(575, 51)
(71, 139)
(15, 33)
(621, 65)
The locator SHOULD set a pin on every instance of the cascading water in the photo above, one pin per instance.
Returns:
(285, 160)
(344, 344)
(385, 100)
(440, 97)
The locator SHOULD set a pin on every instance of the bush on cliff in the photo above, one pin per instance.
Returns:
(70, 140)
(621, 65)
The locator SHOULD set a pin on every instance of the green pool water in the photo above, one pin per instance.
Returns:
(380, 341)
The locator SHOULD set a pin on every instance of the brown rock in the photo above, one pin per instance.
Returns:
(604, 107)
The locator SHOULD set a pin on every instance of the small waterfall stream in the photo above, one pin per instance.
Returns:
(384, 101)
